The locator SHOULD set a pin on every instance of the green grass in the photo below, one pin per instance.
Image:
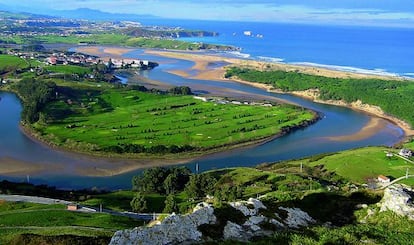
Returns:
(118, 200)
(359, 165)
(68, 69)
(19, 218)
(10, 63)
(108, 117)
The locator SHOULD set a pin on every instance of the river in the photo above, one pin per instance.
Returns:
(66, 170)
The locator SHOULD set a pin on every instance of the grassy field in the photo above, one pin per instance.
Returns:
(19, 218)
(68, 69)
(11, 63)
(359, 165)
(102, 117)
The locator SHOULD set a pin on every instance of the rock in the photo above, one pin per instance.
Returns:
(297, 218)
(175, 229)
(250, 207)
(399, 199)
(253, 222)
(233, 231)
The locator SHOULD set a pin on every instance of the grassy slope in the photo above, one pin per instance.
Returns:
(361, 164)
(106, 117)
(19, 218)
(10, 63)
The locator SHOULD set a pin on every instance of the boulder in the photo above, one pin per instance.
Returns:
(398, 199)
(297, 218)
(233, 231)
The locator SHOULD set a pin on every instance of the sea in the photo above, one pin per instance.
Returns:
(362, 49)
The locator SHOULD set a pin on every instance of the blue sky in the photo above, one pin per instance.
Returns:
(354, 12)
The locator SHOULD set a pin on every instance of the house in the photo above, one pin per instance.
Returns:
(72, 207)
(405, 153)
(383, 179)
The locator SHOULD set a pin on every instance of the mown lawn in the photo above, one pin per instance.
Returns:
(109, 117)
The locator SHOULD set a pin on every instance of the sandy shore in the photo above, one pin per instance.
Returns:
(370, 129)
(204, 73)
(100, 51)
(202, 60)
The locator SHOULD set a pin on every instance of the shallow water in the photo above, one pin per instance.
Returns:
(64, 170)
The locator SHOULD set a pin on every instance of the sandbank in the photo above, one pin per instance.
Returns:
(368, 130)
(205, 73)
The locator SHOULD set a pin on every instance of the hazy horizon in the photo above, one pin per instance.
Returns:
(385, 13)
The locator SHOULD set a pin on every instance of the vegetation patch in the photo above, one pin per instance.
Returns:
(394, 97)
(35, 239)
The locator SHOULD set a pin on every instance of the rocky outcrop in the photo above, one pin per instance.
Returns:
(179, 229)
(175, 229)
(399, 199)
(297, 218)
(249, 207)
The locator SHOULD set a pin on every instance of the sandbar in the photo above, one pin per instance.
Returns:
(205, 73)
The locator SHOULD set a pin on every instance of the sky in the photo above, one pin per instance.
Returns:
(352, 12)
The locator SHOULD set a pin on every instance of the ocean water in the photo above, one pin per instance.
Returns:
(362, 49)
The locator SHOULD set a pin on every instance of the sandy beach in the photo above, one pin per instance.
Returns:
(204, 73)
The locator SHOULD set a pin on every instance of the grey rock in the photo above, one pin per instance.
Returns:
(399, 199)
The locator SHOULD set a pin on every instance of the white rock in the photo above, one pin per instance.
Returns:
(398, 199)
(297, 218)
(243, 206)
(174, 229)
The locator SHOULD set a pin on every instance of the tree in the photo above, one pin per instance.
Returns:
(151, 180)
(200, 185)
(138, 203)
(176, 180)
(170, 204)
(162, 180)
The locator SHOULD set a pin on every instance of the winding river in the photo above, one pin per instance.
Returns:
(67, 170)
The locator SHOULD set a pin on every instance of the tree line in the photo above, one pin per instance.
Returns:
(170, 181)
(393, 96)
(35, 94)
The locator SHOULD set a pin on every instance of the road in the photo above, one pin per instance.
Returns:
(43, 200)
(396, 180)
(32, 199)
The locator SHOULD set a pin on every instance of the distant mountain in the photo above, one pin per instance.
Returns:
(82, 13)
(92, 14)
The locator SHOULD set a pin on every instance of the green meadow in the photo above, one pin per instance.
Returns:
(107, 119)
(362, 164)
(10, 63)
(22, 218)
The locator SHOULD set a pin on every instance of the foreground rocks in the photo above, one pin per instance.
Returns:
(245, 220)
(399, 199)
(175, 229)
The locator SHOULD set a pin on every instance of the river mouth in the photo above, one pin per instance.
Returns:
(339, 129)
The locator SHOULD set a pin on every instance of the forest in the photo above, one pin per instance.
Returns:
(395, 97)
